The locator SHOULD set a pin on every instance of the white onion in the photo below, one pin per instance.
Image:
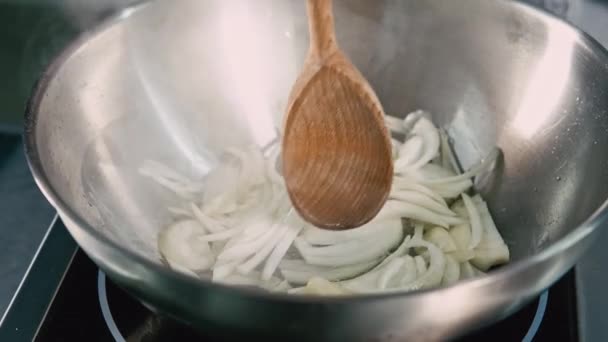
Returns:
(369, 250)
(320, 286)
(389, 272)
(441, 238)
(420, 264)
(422, 200)
(179, 246)
(299, 272)
(466, 270)
(401, 183)
(317, 236)
(221, 270)
(242, 250)
(394, 124)
(281, 249)
(452, 271)
(409, 270)
(475, 221)
(434, 273)
(237, 223)
(264, 252)
(395, 209)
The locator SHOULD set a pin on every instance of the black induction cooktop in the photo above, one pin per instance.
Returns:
(77, 302)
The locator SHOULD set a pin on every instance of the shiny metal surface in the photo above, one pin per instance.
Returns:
(169, 82)
(591, 277)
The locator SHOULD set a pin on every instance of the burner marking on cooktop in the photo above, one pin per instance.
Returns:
(107, 314)
(105, 308)
(538, 317)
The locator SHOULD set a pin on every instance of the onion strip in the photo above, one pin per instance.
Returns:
(241, 227)
(475, 221)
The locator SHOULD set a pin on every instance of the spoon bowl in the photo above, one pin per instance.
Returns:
(337, 160)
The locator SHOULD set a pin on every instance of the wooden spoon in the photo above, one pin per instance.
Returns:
(336, 149)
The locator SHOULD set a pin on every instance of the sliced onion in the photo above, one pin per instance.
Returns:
(372, 250)
(425, 128)
(394, 124)
(488, 256)
(220, 181)
(400, 251)
(432, 173)
(411, 119)
(254, 228)
(223, 235)
(441, 238)
(320, 286)
(466, 270)
(299, 272)
(472, 172)
(264, 252)
(491, 250)
(418, 198)
(462, 255)
(475, 221)
(242, 250)
(387, 277)
(182, 269)
(434, 273)
(420, 264)
(395, 145)
(367, 282)
(178, 244)
(461, 235)
(401, 183)
(409, 270)
(410, 152)
(246, 227)
(418, 231)
(223, 270)
(253, 279)
(208, 223)
(283, 286)
(459, 208)
(281, 249)
(491, 232)
(317, 236)
(181, 212)
(451, 190)
(396, 209)
(452, 271)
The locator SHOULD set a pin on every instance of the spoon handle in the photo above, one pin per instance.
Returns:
(321, 29)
